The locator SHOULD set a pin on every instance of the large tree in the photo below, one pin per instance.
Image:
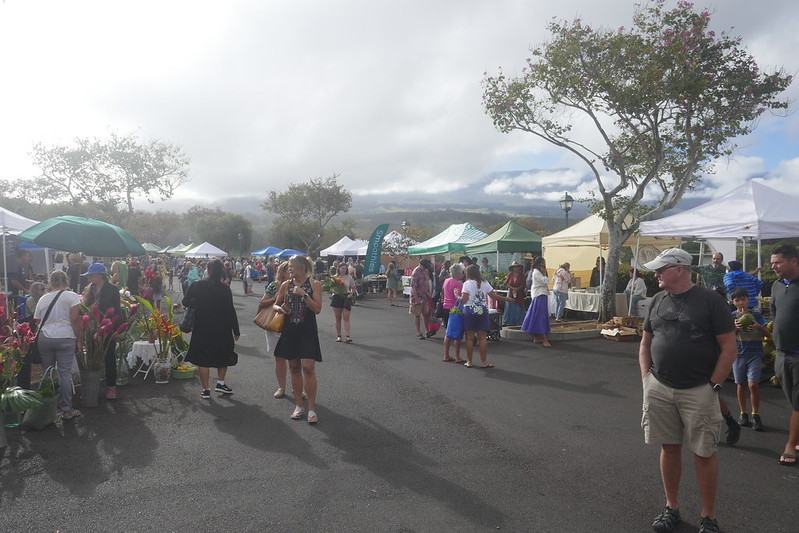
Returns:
(306, 208)
(657, 104)
(228, 231)
(103, 172)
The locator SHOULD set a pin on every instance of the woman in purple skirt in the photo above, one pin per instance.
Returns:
(536, 322)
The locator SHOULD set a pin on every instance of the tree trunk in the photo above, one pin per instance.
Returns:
(611, 275)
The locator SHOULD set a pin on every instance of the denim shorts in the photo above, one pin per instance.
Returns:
(747, 369)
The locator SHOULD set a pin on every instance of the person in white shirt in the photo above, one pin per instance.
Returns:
(60, 336)
(536, 322)
(475, 313)
(635, 291)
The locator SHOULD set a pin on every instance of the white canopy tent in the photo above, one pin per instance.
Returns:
(338, 248)
(753, 211)
(206, 249)
(12, 223)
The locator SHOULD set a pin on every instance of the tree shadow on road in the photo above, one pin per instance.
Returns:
(83, 453)
(253, 427)
(365, 444)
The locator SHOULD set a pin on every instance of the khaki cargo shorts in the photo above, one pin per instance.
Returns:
(419, 309)
(671, 416)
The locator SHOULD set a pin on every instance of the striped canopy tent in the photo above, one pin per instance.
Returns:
(453, 239)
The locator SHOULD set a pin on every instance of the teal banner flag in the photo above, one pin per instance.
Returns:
(372, 264)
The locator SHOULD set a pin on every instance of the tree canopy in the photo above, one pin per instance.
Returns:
(647, 109)
(103, 173)
(305, 209)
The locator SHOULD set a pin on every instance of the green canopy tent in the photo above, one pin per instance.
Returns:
(453, 239)
(510, 238)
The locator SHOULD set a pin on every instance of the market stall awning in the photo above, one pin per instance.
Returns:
(453, 239)
(205, 249)
(268, 251)
(509, 238)
(337, 248)
(77, 234)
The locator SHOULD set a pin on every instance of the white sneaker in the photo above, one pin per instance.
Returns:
(280, 392)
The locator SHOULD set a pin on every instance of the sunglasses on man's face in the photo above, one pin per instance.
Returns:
(661, 270)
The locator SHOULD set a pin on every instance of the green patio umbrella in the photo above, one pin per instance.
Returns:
(76, 234)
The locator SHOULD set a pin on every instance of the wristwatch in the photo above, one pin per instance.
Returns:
(304, 296)
(716, 386)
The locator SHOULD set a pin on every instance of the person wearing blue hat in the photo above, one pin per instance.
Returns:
(106, 295)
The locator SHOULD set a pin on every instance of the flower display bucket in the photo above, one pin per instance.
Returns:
(40, 417)
(123, 371)
(90, 388)
(162, 368)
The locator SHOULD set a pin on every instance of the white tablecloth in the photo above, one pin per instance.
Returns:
(146, 351)
(590, 302)
(406, 285)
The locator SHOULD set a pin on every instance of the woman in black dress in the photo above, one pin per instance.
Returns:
(216, 328)
(300, 298)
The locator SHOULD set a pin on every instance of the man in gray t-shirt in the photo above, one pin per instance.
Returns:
(785, 312)
(686, 352)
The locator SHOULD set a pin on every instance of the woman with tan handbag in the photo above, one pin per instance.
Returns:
(300, 299)
(267, 301)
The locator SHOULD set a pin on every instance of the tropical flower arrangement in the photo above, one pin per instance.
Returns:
(337, 286)
(14, 342)
(97, 330)
(160, 327)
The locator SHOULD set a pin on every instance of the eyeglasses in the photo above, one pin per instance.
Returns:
(670, 314)
(661, 270)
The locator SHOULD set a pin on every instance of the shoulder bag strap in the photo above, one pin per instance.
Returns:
(47, 313)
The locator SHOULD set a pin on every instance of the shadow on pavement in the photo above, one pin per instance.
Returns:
(365, 444)
(251, 426)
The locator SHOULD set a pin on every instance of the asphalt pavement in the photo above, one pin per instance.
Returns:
(548, 440)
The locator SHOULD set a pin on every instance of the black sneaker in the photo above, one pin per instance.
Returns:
(708, 525)
(743, 419)
(667, 520)
(205, 394)
(757, 424)
(733, 431)
(224, 389)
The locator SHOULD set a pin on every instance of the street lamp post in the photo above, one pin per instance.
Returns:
(566, 204)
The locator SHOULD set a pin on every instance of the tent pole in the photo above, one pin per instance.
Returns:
(635, 272)
(759, 261)
(701, 251)
(5, 263)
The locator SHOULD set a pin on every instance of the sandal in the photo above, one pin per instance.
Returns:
(338, 339)
(298, 412)
(467, 364)
(349, 340)
(448, 359)
(420, 337)
(788, 459)
(312, 418)
(487, 365)
(68, 415)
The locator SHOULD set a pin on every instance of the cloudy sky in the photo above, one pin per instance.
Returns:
(262, 93)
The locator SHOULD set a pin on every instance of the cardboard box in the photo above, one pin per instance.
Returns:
(628, 321)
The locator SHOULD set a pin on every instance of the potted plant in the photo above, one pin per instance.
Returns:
(14, 342)
(162, 328)
(42, 416)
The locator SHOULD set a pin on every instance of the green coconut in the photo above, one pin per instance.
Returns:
(746, 320)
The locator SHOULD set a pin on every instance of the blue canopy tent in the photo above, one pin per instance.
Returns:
(288, 252)
(268, 251)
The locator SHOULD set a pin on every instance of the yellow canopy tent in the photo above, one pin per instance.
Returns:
(580, 245)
